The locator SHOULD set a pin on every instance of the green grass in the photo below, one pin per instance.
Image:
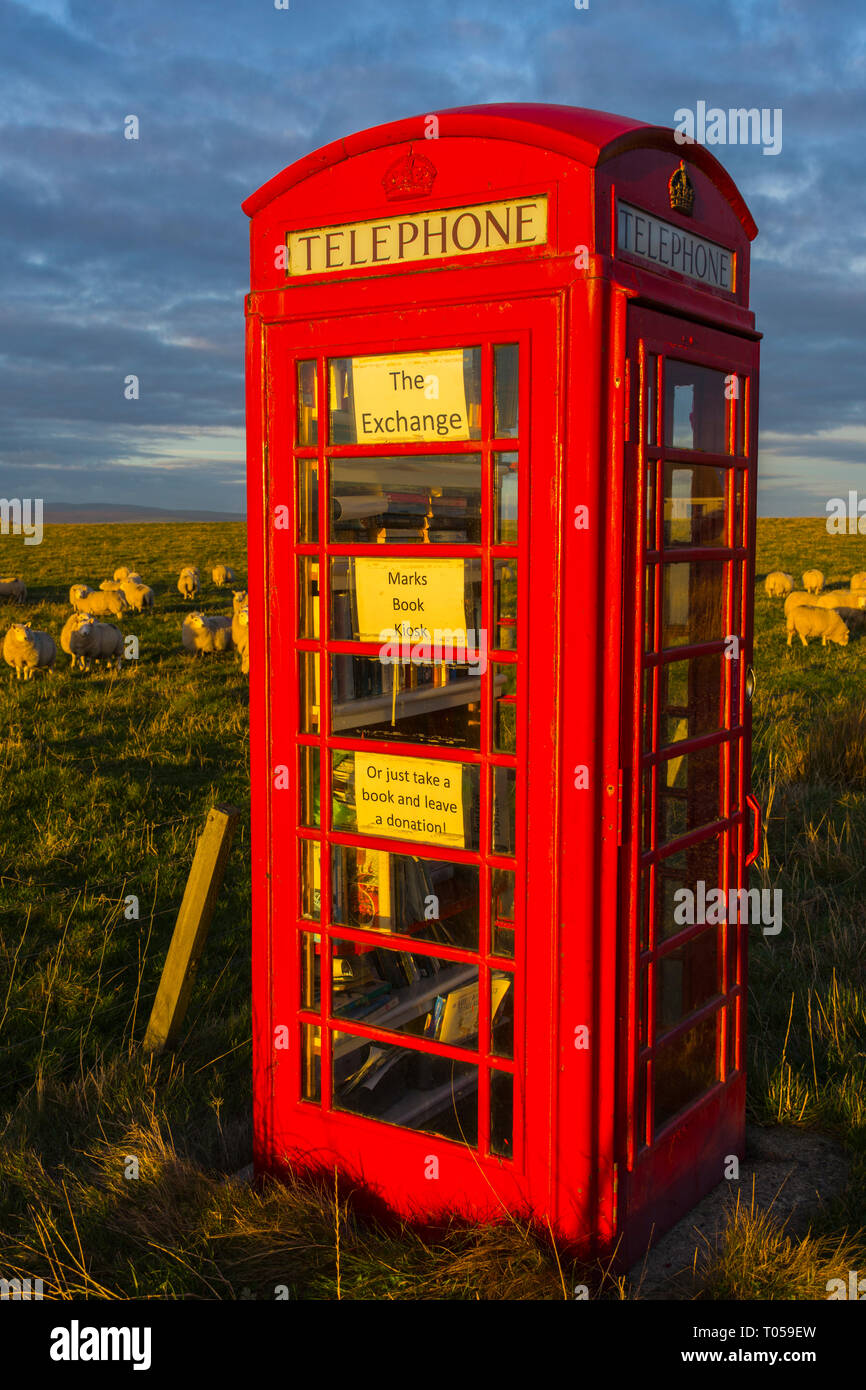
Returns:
(106, 781)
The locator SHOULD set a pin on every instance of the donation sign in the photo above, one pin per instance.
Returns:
(409, 798)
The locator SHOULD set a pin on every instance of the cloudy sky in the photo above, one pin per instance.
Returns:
(123, 256)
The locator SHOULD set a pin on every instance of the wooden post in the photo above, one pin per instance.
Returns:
(191, 928)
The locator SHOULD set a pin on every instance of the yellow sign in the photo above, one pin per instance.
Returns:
(409, 600)
(409, 798)
(413, 396)
(423, 236)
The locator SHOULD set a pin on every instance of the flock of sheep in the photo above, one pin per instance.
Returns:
(814, 612)
(87, 639)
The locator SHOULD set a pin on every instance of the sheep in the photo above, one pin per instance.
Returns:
(93, 641)
(841, 598)
(817, 622)
(135, 578)
(111, 586)
(858, 581)
(101, 602)
(800, 599)
(73, 622)
(188, 581)
(138, 596)
(813, 581)
(79, 591)
(239, 600)
(13, 589)
(778, 584)
(206, 633)
(222, 575)
(241, 637)
(28, 650)
(121, 573)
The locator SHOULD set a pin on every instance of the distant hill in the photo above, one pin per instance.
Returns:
(60, 513)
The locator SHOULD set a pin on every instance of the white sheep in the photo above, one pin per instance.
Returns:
(239, 600)
(188, 582)
(100, 602)
(817, 622)
(79, 591)
(813, 581)
(858, 581)
(241, 637)
(111, 586)
(206, 633)
(121, 573)
(135, 578)
(778, 584)
(138, 596)
(28, 650)
(13, 589)
(93, 641)
(222, 575)
(73, 622)
(799, 599)
(841, 598)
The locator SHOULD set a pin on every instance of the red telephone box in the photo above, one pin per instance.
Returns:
(502, 426)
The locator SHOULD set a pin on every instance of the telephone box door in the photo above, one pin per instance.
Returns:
(415, 458)
(690, 465)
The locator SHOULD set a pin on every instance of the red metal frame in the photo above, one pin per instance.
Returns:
(586, 332)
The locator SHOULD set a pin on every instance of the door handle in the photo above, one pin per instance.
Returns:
(751, 682)
(753, 804)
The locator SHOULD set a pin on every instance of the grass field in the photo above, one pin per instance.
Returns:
(106, 781)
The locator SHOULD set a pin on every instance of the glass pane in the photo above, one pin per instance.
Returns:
(502, 1013)
(308, 596)
(505, 499)
(308, 499)
(693, 603)
(403, 798)
(696, 408)
(505, 378)
(375, 599)
(308, 413)
(649, 742)
(308, 692)
(651, 380)
(688, 868)
(687, 793)
(408, 397)
(413, 703)
(686, 979)
(505, 604)
(683, 1070)
(649, 598)
(691, 695)
(694, 505)
(402, 1087)
(429, 899)
(502, 911)
(432, 499)
(311, 879)
(503, 820)
(400, 991)
(651, 519)
(310, 993)
(311, 1062)
(501, 1113)
(504, 707)
(308, 785)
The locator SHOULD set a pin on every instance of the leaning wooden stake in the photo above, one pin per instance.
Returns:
(191, 928)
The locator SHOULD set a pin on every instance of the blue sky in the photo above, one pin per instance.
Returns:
(126, 257)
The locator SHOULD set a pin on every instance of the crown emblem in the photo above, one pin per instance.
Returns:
(410, 176)
(681, 191)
